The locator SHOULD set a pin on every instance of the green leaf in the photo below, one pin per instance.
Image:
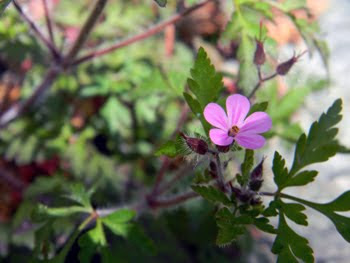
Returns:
(263, 224)
(205, 83)
(3, 5)
(91, 241)
(340, 204)
(170, 149)
(120, 216)
(212, 194)
(280, 171)
(289, 5)
(197, 110)
(289, 245)
(79, 194)
(42, 212)
(294, 212)
(229, 227)
(320, 144)
(262, 106)
(247, 165)
(161, 3)
(132, 233)
(301, 178)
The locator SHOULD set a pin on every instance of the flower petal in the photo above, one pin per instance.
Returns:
(250, 141)
(220, 137)
(237, 107)
(216, 116)
(258, 122)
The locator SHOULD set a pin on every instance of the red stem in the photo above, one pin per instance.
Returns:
(150, 32)
(48, 22)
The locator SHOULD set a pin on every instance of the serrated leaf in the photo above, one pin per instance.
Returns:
(289, 5)
(205, 83)
(229, 227)
(161, 3)
(212, 194)
(79, 194)
(320, 144)
(247, 165)
(280, 170)
(302, 178)
(263, 224)
(340, 204)
(294, 212)
(289, 245)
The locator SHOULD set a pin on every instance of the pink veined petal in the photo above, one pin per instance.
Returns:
(237, 107)
(220, 137)
(258, 122)
(250, 141)
(216, 116)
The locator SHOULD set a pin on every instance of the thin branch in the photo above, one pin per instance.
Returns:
(159, 177)
(148, 33)
(221, 179)
(55, 53)
(260, 82)
(17, 110)
(85, 31)
(173, 200)
(48, 22)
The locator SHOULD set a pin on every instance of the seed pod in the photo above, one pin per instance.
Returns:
(259, 56)
(283, 68)
(197, 145)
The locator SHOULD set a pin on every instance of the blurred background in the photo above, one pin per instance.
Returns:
(102, 121)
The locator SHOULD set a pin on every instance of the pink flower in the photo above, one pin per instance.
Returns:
(235, 126)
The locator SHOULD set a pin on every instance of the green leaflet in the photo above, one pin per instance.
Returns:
(320, 144)
(205, 83)
(246, 166)
(340, 204)
(212, 194)
(289, 245)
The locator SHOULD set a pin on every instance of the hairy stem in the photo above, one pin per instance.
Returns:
(48, 22)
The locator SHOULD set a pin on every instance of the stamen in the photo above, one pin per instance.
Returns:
(233, 131)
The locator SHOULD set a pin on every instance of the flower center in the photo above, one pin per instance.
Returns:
(233, 131)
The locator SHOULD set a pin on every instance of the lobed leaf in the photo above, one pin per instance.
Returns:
(212, 194)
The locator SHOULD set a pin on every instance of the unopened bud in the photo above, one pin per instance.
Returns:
(243, 196)
(259, 56)
(283, 68)
(223, 149)
(255, 201)
(197, 145)
(256, 177)
(213, 169)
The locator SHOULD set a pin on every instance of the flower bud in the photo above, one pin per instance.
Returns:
(283, 68)
(255, 201)
(223, 149)
(213, 169)
(256, 177)
(259, 56)
(242, 195)
(197, 145)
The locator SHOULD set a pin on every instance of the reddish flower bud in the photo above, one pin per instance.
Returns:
(283, 68)
(256, 177)
(223, 149)
(197, 145)
(255, 201)
(259, 56)
(213, 169)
